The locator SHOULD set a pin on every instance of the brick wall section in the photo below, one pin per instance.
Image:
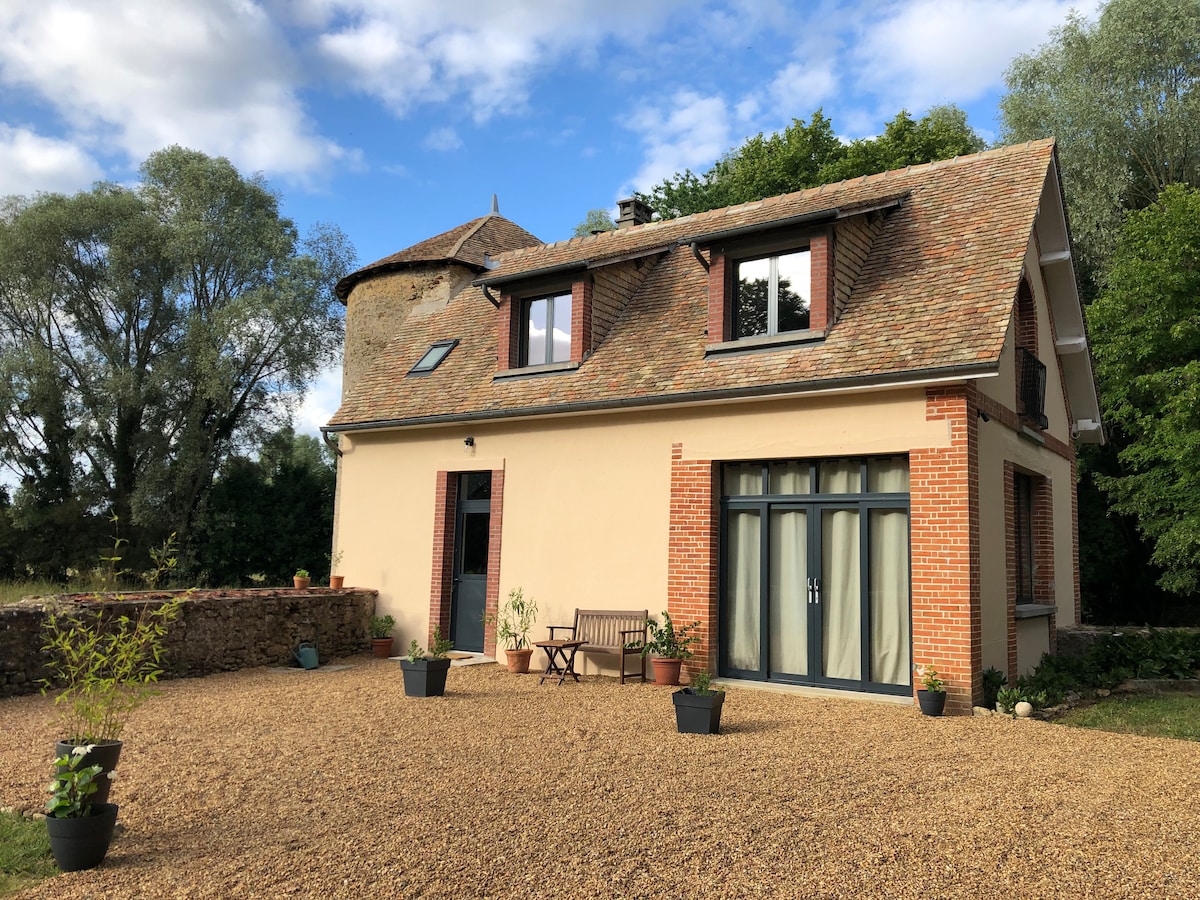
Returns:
(820, 249)
(1010, 570)
(581, 320)
(1074, 554)
(720, 303)
(445, 505)
(495, 530)
(692, 553)
(508, 333)
(945, 549)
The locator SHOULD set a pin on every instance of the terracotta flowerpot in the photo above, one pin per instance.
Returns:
(666, 671)
(336, 581)
(381, 648)
(518, 660)
(301, 584)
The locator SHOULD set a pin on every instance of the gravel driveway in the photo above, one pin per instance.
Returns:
(267, 783)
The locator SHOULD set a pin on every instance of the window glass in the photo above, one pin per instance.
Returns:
(743, 479)
(547, 331)
(888, 475)
(475, 539)
(789, 477)
(561, 349)
(794, 289)
(475, 486)
(535, 332)
(1023, 526)
(840, 476)
(753, 290)
(433, 357)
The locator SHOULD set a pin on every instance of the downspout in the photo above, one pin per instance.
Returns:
(492, 300)
(331, 442)
(696, 253)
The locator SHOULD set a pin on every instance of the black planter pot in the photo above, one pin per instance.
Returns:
(932, 702)
(698, 713)
(106, 754)
(82, 843)
(425, 677)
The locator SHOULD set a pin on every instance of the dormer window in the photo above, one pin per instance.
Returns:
(772, 294)
(546, 330)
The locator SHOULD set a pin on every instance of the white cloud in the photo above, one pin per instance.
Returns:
(804, 85)
(217, 76)
(442, 139)
(30, 163)
(320, 402)
(922, 53)
(689, 132)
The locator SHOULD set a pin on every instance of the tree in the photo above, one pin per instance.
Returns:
(806, 155)
(1120, 97)
(148, 333)
(596, 220)
(1146, 331)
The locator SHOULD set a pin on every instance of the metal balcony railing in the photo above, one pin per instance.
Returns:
(1033, 387)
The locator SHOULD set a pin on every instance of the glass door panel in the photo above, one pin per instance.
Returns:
(789, 592)
(742, 590)
(888, 579)
(841, 595)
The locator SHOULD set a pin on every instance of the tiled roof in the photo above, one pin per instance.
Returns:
(934, 297)
(466, 244)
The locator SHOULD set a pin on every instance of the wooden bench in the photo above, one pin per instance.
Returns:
(610, 631)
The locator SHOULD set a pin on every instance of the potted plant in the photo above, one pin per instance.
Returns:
(698, 706)
(933, 698)
(335, 581)
(381, 636)
(425, 673)
(513, 624)
(670, 646)
(79, 826)
(301, 580)
(106, 669)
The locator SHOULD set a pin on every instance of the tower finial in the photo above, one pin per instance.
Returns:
(495, 205)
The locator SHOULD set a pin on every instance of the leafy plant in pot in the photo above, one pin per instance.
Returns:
(80, 827)
(513, 624)
(932, 698)
(381, 636)
(670, 646)
(301, 580)
(335, 559)
(698, 706)
(107, 667)
(425, 672)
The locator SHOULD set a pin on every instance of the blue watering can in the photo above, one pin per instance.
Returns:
(306, 654)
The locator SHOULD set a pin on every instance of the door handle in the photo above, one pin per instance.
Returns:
(816, 589)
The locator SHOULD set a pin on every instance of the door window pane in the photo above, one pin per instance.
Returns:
(742, 600)
(841, 596)
(888, 475)
(475, 486)
(789, 477)
(535, 332)
(475, 543)
(742, 480)
(789, 591)
(888, 579)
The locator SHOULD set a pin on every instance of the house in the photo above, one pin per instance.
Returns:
(837, 427)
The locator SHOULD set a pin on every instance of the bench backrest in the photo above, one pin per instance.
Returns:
(602, 627)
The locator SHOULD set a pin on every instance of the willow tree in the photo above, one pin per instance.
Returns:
(148, 332)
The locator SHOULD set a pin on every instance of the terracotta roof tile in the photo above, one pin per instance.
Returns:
(935, 293)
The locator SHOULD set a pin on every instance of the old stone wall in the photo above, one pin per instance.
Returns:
(216, 631)
(1077, 640)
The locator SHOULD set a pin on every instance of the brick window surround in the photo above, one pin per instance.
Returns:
(1042, 528)
(442, 587)
(509, 322)
(720, 282)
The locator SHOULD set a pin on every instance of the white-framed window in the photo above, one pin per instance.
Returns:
(546, 330)
(772, 294)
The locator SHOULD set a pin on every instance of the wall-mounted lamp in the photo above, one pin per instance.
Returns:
(984, 416)
(469, 442)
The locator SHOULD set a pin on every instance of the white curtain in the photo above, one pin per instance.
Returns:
(788, 478)
(744, 479)
(889, 595)
(789, 591)
(742, 601)
(841, 476)
(841, 597)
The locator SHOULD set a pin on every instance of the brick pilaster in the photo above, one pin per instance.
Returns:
(692, 550)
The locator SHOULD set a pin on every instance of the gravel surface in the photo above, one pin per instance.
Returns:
(267, 783)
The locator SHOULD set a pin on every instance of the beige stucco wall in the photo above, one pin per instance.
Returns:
(1033, 640)
(601, 482)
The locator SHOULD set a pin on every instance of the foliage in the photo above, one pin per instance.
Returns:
(930, 680)
(148, 333)
(806, 155)
(1166, 715)
(415, 652)
(438, 649)
(1007, 699)
(1120, 97)
(107, 667)
(381, 626)
(1146, 329)
(263, 514)
(301, 573)
(73, 784)
(596, 220)
(24, 852)
(701, 683)
(515, 619)
(993, 681)
(668, 641)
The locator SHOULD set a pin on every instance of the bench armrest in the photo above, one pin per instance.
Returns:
(570, 628)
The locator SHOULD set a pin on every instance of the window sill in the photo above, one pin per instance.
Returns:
(533, 371)
(1033, 610)
(773, 342)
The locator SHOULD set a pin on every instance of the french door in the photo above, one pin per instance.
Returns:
(815, 574)
(472, 535)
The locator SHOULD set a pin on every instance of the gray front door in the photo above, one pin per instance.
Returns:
(472, 533)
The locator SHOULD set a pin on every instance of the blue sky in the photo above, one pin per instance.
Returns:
(398, 119)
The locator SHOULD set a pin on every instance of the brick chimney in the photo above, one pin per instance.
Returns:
(633, 212)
